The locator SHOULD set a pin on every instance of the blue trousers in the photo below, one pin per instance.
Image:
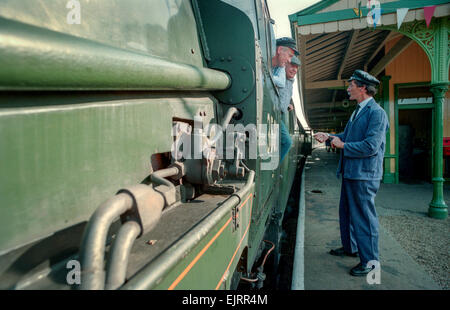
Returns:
(358, 218)
(285, 141)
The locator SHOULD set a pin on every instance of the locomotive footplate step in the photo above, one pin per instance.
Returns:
(172, 225)
(399, 267)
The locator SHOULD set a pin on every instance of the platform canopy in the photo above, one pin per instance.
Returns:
(336, 37)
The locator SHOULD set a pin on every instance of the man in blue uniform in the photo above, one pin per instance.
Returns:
(362, 147)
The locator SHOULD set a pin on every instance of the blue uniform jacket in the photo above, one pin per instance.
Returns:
(365, 139)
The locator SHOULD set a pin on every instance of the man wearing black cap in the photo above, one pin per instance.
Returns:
(285, 51)
(361, 164)
(286, 106)
(286, 48)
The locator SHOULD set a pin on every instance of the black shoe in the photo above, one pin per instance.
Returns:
(341, 252)
(359, 270)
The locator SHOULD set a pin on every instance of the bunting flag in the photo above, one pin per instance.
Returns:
(401, 13)
(429, 12)
(358, 10)
(376, 17)
(374, 13)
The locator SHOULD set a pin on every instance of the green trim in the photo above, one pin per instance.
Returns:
(388, 176)
(433, 40)
(329, 16)
(312, 9)
(305, 18)
(437, 207)
(415, 106)
(440, 70)
(398, 107)
(413, 84)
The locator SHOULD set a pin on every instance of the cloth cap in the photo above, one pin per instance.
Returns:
(364, 78)
(295, 61)
(289, 42)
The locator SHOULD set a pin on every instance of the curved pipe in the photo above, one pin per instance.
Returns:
(268, 252)
(261, 267)
(249, 280)
(226, 121)
(120, 252)
(159, 176)
(149, 275)
(93, 244)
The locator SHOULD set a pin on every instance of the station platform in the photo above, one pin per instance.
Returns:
(414, 253)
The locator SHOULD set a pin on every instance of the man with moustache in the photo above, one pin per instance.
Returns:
(362, 147)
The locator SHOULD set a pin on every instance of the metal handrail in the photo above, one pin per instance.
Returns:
(65, 62)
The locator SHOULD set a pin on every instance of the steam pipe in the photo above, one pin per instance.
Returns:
(226, 121)
(159, 176)
(153, 272)
(93, 244)
(120, 252)
(92, 65)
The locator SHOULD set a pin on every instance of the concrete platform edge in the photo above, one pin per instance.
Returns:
(298, 273)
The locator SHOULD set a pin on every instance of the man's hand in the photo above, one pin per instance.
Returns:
(336, 142)
(290, 107)
(321, 137)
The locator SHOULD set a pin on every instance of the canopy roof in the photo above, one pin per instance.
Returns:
(334, 41)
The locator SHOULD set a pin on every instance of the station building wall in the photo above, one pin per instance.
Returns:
(411, 66)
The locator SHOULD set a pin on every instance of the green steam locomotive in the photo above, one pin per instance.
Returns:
(138, 144)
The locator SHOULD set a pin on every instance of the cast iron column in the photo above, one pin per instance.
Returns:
(438, 208)
(387, 175)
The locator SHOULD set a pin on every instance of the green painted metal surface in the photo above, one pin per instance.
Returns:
(36, 58)
(60, 161)
(388, 177)
(205, 257)
(165, 29)
(438, 208)
(212, 263)
(236, 41)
